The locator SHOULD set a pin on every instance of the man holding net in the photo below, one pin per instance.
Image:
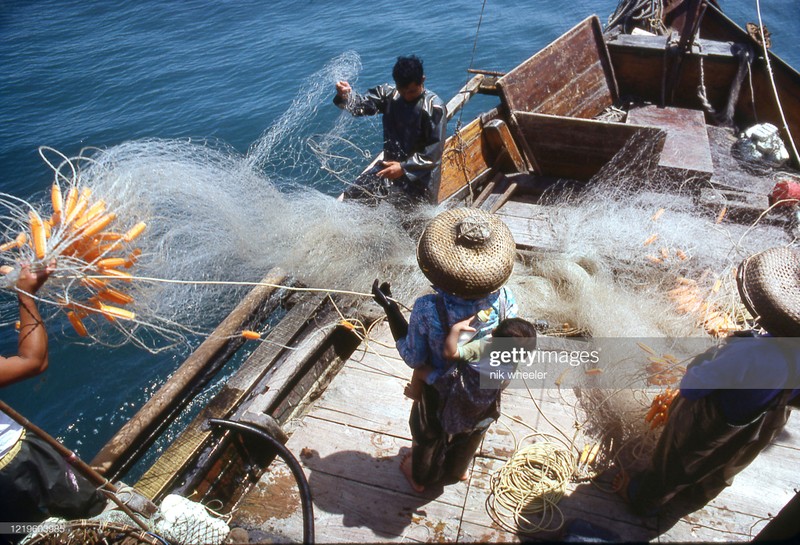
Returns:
(414, 129)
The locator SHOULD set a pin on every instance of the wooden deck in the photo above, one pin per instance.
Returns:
(351, 441)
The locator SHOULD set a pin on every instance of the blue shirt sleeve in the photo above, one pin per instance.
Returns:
(414, 348)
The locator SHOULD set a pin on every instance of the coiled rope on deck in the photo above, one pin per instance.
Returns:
(525, 492)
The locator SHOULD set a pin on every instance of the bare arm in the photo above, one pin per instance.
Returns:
(451, 341)
(31, 358)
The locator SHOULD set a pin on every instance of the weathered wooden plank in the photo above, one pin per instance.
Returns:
(463, 95)
(463, 159)
(344, 511)
(487, 190)
(584, 100)
(273, 385)
(575, 148)
(385, 410)
(532, 231)
(362, 456)
(507, 157)
(706, 48)
(561, 77)
(686, 142)
(119, 453)
(179, 455)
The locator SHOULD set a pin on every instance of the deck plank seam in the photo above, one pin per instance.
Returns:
(352, 426)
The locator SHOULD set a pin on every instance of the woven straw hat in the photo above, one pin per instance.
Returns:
(466, 252)
(769, 283)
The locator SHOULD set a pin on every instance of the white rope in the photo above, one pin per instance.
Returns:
(774, 88)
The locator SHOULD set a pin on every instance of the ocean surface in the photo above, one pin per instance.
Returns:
(103, 74)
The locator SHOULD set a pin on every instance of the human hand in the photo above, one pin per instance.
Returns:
(463, 325)
(343, 89)
(391, 170)
(382, 294)
(30, 281)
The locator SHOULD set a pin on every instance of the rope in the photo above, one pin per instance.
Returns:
(525, 492)
(774, 88)
(472, 56)
(243, 283)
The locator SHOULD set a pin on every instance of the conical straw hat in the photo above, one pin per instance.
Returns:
(769, 283)
(466, 252)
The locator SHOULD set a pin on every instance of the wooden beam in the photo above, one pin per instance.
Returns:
(463, 95)
(499, 139)
(118, 453)
(512, 187)
(158, 479)
(487, 190)
(701, 47)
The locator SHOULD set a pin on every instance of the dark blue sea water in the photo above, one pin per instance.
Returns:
(100, 73)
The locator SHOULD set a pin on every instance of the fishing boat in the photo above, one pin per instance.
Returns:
(291, 448)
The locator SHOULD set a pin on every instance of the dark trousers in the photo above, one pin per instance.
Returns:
(438, 457)
(38, 483)
(699, 453)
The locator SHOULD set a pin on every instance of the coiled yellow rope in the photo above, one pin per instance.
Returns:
(525, 492)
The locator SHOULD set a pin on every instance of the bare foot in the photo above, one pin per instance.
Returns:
(405, 467)
(411, 392)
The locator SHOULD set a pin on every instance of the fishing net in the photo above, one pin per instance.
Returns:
(91, 532)
(641, 259)
(215, 221)
(178, 520)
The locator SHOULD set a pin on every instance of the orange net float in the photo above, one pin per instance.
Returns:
(58, 203)
(134, 231)
(114, 296)
(251, 335)
(659, 409)
(91, 213)
(82, 234)
(38, 237)
(116, 312)
(77, 324)
(117, 275)
(110, 263)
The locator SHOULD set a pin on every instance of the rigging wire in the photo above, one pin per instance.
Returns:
(774, 88)
(472, 58)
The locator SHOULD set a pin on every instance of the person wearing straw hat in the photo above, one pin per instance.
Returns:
(414, 132)
(468, 255)
(733, 399)
(35, 480)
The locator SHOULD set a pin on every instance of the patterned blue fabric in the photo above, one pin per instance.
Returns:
(424, 343)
